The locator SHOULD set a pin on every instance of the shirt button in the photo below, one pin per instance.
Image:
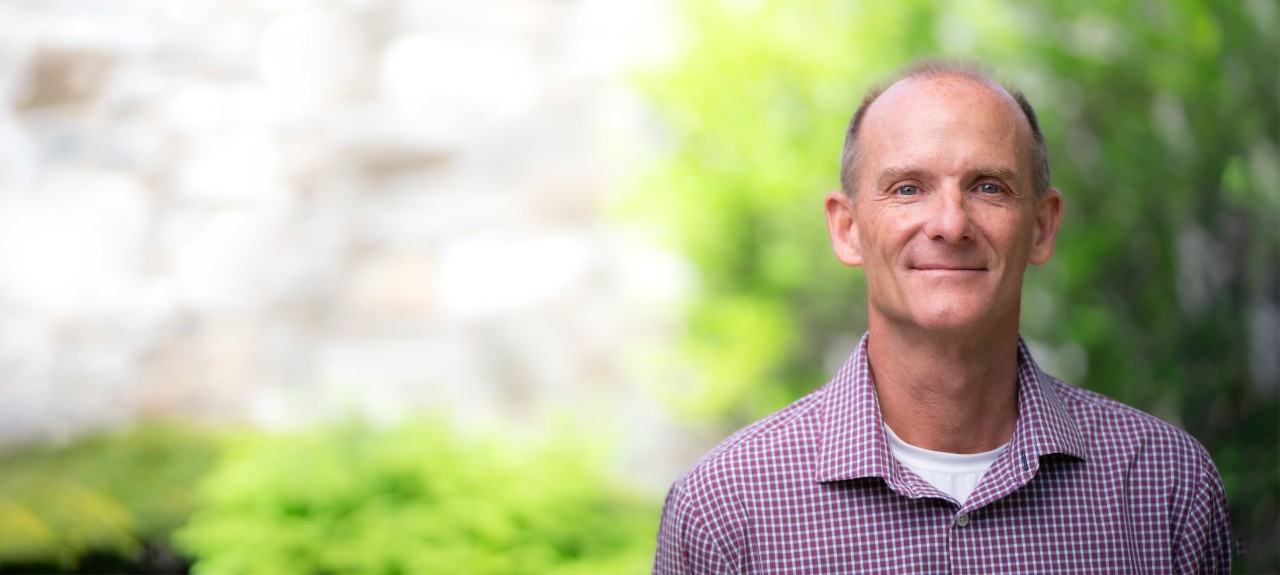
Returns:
(962, 519)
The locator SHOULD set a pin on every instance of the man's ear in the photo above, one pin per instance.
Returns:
(842, 225)
(1048, 213)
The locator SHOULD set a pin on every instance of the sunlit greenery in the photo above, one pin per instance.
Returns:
(417, 498)
(1162, 124)
(114, 495)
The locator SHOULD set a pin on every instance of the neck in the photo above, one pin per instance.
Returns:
(946, 392)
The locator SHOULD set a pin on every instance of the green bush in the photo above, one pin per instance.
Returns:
(416, 498)
(111, 496)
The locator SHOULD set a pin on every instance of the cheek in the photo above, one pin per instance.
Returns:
(1010, 230)
(886, 232)
(1014, 244)
(877, 243)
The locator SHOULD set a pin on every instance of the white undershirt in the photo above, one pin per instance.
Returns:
(956, 474)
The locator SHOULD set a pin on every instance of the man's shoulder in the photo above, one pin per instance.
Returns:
(1108, 424)
(1169, 479)
(785, 439)
(706, 520)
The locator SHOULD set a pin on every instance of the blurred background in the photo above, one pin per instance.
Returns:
(382, 286)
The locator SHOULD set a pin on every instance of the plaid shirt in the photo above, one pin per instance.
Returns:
(1087, 485)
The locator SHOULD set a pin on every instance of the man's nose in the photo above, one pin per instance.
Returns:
(949, 219)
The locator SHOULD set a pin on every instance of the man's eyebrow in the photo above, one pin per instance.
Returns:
(890, 175)
(998, 173)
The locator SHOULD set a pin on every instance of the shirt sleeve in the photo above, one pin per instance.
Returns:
(1204, 544)
(688, 544)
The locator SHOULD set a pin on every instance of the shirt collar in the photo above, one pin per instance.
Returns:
(853, 443)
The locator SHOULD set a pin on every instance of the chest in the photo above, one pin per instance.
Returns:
(1046, 526)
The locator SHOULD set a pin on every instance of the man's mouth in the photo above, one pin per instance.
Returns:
(948, 268)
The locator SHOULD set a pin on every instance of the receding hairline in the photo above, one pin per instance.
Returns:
(934, 69)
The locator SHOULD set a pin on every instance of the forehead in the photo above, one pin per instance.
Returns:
(945, 118)
(957, 94)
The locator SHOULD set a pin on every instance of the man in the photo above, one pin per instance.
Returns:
(939, 446)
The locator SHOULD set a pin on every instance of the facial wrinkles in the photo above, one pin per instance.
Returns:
(958, 88)
(948, 111)
(948, 250)
(941, 159)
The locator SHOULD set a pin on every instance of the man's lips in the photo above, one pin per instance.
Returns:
(948, 268)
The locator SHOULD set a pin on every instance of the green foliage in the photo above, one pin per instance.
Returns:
(415, 499)
(1162, 126)
(109, 494)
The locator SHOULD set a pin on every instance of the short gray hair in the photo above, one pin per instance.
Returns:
(933, 69)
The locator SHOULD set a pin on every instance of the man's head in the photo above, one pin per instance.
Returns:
(932, 69)
(949, 203)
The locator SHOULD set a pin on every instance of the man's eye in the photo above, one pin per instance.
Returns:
(989, 188)
(908, 190)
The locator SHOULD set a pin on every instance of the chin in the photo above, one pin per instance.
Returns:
(957, 314)
(950, 324)
(952, 318)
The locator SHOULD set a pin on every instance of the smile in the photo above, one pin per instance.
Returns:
(946, 268)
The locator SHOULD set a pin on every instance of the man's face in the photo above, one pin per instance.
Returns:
(943, 219)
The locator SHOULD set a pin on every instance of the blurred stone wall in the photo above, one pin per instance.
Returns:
(283, 211)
